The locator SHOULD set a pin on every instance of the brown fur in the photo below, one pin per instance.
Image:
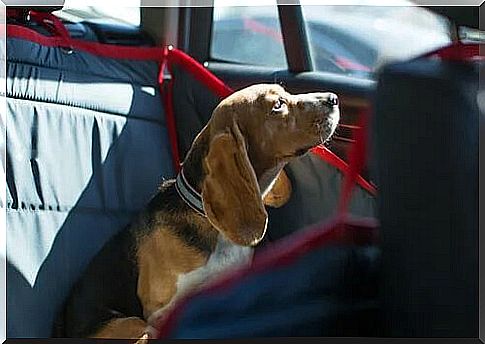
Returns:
(230, 179)
(280, 193)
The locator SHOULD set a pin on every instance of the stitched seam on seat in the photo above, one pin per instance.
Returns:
(97, 111)
(67, 209)
(13, 60)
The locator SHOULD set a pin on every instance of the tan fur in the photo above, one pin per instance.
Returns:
(123, 328)
(162, 257)
(280, 192)
(231, 184)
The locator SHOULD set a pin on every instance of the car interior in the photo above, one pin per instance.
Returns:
(101, 110)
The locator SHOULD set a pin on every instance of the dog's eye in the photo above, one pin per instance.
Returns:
(279, 105)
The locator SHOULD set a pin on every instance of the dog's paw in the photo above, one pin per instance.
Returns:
(149, 333)
(144, 339)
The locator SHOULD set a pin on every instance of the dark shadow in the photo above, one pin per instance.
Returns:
(82, 234)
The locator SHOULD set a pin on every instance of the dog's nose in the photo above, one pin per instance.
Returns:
(328, 100)
(332, 100)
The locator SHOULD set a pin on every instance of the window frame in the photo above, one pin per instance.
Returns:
(293, 29)
(195, 28)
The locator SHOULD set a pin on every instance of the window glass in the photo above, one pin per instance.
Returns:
(355, 40)
(344, 39)
(75, 11)
(247, 35)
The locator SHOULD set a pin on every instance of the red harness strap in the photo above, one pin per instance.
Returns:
(200, 73)
(171, 57)
(330, 157)
(61, 38)
(457, 51)
(169, 113)
(51, 23)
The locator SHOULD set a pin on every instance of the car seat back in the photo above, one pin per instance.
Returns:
(426, 143)
(87, 147)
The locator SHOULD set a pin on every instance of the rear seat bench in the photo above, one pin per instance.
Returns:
(88, 144)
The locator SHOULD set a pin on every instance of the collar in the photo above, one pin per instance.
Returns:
(189, 194)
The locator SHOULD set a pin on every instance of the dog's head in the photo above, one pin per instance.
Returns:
(251, 135)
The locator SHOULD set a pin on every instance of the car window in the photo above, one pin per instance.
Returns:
(75, 11)
(355, 40)
(350, 40)
(247, 35)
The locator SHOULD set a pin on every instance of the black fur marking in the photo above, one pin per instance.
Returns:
(191, 236)
(114, 274)
(169, 201)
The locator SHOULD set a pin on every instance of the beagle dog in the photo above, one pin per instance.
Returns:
(207, 219)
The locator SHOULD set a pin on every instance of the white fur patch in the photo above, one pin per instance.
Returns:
(225, 256)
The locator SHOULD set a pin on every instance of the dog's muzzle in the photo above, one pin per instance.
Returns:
(323, 110)
(332, 100)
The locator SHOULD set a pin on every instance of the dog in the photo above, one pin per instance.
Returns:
(206, 220)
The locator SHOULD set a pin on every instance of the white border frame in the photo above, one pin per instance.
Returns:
(3, 185)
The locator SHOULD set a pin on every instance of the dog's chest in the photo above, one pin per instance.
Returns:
(225, 256)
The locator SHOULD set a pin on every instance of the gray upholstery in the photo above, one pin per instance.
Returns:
(86, 148)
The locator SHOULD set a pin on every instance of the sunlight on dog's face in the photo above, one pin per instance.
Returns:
(279, 124)
(251, 135)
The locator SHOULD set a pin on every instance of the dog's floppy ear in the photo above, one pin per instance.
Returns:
(230, 192)
(280, 191)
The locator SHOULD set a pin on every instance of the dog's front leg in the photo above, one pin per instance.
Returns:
(162, 259)
(157, 295)
(156, 287)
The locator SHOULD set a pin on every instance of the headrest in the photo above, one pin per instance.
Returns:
(39, 6)
(21, 11)
(459, 15)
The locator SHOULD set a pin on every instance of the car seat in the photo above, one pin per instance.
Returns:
(87, 147)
